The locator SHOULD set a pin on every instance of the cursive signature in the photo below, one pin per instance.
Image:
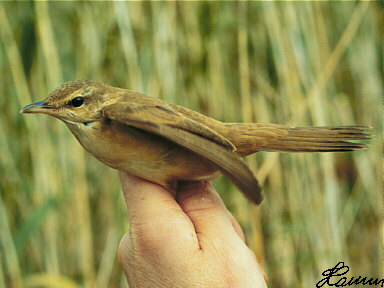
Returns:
(341, 269)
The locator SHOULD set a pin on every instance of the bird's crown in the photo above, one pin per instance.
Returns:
(78, 88)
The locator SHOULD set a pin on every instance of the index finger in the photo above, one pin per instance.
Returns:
(157, 222)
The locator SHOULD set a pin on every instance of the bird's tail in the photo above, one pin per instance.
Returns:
(251, 138)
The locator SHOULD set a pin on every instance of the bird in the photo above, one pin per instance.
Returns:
(168, 144)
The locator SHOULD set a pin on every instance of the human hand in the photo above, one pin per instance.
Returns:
(193, 241)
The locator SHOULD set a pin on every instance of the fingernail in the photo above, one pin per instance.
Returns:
(265, 277)
(127, 179)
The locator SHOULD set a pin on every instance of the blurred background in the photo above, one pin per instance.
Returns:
(62, 212)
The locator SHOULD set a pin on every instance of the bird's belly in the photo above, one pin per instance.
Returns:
(146, 155)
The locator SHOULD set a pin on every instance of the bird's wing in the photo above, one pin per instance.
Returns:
(163, 121)
(164, 114)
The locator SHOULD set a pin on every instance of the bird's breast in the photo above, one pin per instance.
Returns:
(140, 153)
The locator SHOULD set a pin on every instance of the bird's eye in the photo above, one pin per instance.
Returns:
(77, 102)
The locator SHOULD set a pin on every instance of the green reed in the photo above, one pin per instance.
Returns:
(303, 63)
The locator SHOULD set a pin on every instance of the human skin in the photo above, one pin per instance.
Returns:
(190, 241)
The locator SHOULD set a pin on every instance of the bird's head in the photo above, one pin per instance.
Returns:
(74, 102)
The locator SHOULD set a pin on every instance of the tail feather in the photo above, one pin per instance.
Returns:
(251, 138)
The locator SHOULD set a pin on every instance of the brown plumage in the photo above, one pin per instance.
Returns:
(165, 143)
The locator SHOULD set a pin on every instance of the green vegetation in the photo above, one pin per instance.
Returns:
(62, 212)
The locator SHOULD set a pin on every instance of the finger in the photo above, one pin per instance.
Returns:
(236, 226)
(157, 222)
(265, 276)
(208, 213)
(140, 194)
(259, 265)
(124, 253)
(197, 184)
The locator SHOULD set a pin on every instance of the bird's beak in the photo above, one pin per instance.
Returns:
(38, 107)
